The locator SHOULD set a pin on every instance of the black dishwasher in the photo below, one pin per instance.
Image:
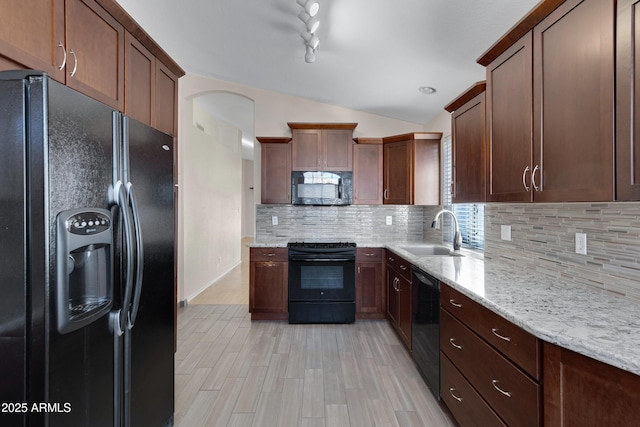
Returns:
(425, 328)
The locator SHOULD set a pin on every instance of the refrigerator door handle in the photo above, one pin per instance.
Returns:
(133, 312)
(119, 317)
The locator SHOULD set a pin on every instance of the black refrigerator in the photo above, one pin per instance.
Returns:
(86, 261)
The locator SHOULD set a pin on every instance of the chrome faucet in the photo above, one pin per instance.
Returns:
(457, 238)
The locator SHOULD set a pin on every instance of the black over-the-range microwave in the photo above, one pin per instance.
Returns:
(321, 188)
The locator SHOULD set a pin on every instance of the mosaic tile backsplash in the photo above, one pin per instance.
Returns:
(543, 239)
(543, 236)
(360, 223)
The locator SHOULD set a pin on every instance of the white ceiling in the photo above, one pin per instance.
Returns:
(373, 54)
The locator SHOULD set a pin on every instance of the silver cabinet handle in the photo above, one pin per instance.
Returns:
(403, 267)
(395, 284)
(452, 341)
(385, 194)
(391, 259)
(358, 269)
(451, 390)
(369, 254)
(495, 385)
(524, 179)
(64, 58)
(502, 337)
(75, 64)
(454, 303)
(270, 254)
(533, 178)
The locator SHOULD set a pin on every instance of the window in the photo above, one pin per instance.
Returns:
(470, 215)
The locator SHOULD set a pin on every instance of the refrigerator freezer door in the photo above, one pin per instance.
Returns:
(13, 264)
(149, 168)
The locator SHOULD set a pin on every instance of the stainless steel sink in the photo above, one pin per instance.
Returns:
(430, 250)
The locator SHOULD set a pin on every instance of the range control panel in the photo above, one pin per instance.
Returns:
(88, 223)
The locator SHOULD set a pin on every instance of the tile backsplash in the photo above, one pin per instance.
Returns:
(361, 223)
(543, 239)
(542, 236)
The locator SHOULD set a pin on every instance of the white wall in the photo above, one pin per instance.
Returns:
(272, 112)
(248, 205)
(210, 200)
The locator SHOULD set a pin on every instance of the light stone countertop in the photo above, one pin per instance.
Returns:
(597, 325)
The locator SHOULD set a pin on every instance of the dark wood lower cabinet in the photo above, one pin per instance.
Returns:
(464, 402)
(370, 292)
(582, 392)
(268, 283)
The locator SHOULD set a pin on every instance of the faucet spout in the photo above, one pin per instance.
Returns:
(457, 238)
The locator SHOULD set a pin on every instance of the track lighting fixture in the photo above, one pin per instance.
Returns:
(311, 22)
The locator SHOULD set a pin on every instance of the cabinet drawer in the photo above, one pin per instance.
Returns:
(399, 265)
(268, 254)
(369, 254)
(512, 341)
(466, 405)
(510, 392)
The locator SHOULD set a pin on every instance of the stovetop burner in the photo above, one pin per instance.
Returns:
(321, 245)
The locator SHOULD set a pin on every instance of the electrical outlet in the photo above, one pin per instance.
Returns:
(505, 232)
(581, 243)
(274, 220)
(389, 220)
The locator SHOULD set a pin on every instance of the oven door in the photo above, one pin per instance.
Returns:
(322, 280)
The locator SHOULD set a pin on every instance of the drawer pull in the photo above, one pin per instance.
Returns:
(391, 259)
(403, 267)
(495, 385)
(452, 341)
(502, 337)
(454, 303)
(451, 389)
(270, 254)
(370, 254)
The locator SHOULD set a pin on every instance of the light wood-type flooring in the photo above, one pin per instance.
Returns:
(231, 371)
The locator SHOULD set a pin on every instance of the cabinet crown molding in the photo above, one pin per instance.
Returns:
(347, 126)
(475, 90)
(413, 135)
(522, 27)
(273, 139)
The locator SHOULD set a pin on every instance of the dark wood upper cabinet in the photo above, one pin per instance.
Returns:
(276, 170)
(468, 145)
(367, 171)
(573, 86)
(165, 116)
(140, 70)
(322, 146)
(509, 99)
(95, 52)
(29, 36)
(627, 101)
(411, 169)
(550, 109)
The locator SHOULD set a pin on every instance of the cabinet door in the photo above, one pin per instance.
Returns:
(468, 151)
(404, 311)
(579, 391)
(367, 174)
(392, 297)
(306, 149)
(269, 293)
(276, 173)
(95, 52)
(509, 115)
(140, 71)
(573, 90)
(369, 289)
(337, 150)
(397, 172)
(165, 113)
(30, 33)
(627, 101)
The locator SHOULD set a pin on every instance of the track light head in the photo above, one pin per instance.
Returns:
(311, 40)
(310, 56)
(309, 6)
(311, 23)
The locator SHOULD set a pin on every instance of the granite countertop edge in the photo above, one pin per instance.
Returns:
(594, 324)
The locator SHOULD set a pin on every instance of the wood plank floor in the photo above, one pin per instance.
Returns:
(231, 371)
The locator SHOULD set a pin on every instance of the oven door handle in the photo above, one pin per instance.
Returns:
(305, 259)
